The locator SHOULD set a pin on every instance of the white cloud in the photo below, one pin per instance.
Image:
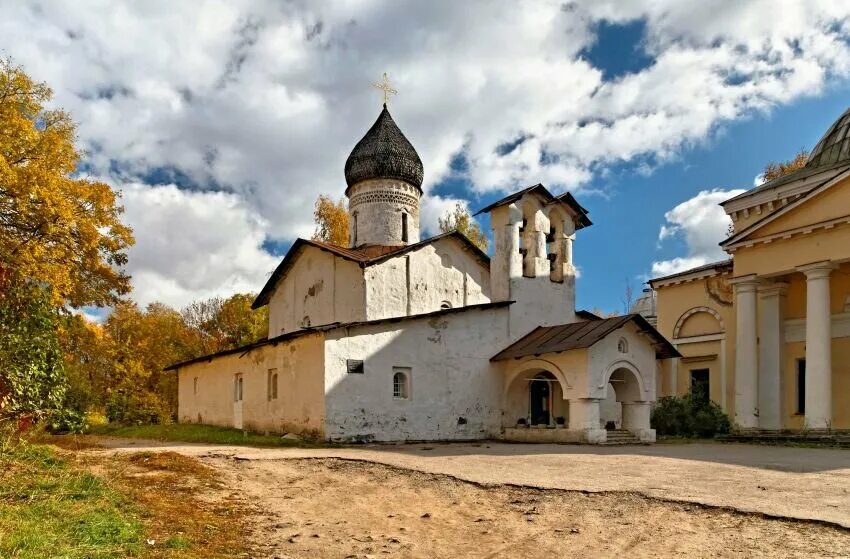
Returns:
(434, 207)
(209, 243)
(702, 224)
(264, 99)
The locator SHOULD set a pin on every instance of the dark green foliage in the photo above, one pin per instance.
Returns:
(691, 415)
(32, 377)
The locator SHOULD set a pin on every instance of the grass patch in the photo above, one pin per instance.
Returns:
(99, 506)
(49, 508)
(194, 433)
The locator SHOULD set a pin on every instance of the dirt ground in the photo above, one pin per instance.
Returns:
(494, 499)
(336, 508)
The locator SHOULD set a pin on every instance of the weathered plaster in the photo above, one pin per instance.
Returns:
(423, 280)
(376, 207)
(455, 393)
(299, 406)
(320, 288)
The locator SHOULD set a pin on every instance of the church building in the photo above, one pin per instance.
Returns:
(399, 338)
(766, 333)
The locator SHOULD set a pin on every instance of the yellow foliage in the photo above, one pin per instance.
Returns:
(775, 170)
(331, 221)
(55, 227)
(460, 219)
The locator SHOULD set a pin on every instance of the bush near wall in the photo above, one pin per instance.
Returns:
(691, 415)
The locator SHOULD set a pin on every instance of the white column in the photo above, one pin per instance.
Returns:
(636, 419)
(746, 352)
(584, 417)
(771, 349)
(818, 346)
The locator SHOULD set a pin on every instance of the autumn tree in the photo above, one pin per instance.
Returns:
(56, 228)
(774, 170)
(331, 221)
(459, 218)
(226, 323)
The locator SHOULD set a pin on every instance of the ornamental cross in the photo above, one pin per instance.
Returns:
(385, 87)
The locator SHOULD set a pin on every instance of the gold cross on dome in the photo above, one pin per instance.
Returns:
(385, 87)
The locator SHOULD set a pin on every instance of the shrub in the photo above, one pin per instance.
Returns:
(689, 416)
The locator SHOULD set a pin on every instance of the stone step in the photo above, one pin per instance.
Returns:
(621, 437)
(826, 439)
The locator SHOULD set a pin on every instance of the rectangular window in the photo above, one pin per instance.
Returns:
(195, 386)
(237, 388)
(271, 388)
(801, 386)
(700, 387)
(401, 383)
(404, 227)
(354, 366)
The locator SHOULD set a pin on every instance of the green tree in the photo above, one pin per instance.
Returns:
(460, 219)
(32, 377)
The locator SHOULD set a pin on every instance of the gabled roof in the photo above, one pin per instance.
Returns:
(719, 266)
(333, 326)
(579, 335)
(363, 256)
(747, 231)
(568, 199)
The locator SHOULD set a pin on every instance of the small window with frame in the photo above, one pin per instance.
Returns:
(237, 388)
(195, 386)
(271, 390)
(401, 383)
(354, 366)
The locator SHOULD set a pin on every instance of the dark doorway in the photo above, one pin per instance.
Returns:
(801, 386)
(539, 390)
(700, 384)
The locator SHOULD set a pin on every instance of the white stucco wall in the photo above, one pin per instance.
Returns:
(544, 296)
(455, 391)
(376, 206)
(419, 281)
(321, 287)
(299, 406)
(604, 358)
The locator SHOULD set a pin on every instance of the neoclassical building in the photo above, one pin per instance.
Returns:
(400, 338)
(767, 331)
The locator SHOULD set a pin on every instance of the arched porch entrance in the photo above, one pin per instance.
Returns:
(625, 406)
(535, 398)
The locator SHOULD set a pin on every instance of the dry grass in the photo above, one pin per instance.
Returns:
(185, 510)
(55, 503)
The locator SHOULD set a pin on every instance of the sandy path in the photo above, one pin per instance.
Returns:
(799, 483)
(320, 508)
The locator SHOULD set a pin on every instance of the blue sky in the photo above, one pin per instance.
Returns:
(220, 123)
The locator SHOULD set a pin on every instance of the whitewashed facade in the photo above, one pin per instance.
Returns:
(396, 339)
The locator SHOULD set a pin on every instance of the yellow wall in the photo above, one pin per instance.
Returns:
(673, 301)
(785, 255)
(830, 204)
(299, 407)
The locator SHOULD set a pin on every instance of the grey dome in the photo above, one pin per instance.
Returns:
(834, 146)
(384, 153)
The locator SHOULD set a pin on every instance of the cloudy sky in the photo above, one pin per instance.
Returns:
(222, 121)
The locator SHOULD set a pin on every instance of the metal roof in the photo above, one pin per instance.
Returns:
(579, 335)
(384, 152)
(333, 326)
(566, 198)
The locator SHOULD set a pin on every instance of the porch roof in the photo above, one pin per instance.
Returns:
(583, 334)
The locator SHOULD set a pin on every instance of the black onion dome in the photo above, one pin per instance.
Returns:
(834, 146)
(384, 153)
